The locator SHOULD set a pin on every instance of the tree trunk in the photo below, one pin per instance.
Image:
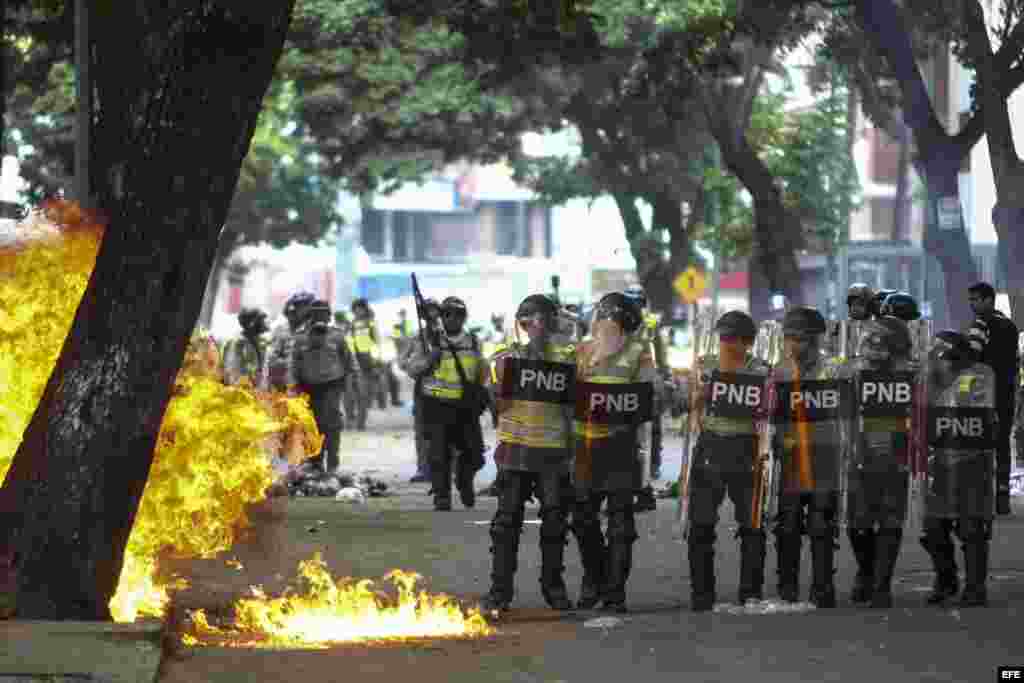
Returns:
(774, 268)
(657, 278)
(949, 246)
(179, 91)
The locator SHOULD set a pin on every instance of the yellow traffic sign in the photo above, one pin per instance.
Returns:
(689, 285)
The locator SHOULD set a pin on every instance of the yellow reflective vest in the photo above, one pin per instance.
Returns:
(365, 337)
(444, 382)
(532, 423)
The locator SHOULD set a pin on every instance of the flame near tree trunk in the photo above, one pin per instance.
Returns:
(210, 461)
(335, 611)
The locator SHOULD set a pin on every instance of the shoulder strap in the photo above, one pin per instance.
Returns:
(458, 363)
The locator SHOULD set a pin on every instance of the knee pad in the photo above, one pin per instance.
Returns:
(552, 524)
(622, 525)
(935, 534)
(821, 523)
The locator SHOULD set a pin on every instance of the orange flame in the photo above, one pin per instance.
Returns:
(209, 462)
(337, 611)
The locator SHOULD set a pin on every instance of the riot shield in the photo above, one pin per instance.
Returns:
(878, 465)
(613, 462)
(808, 415)
(960, 435)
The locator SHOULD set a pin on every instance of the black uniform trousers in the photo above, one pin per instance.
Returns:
(723, 464)
(813, 513)
(325, 401)
(445, 432)
(554, 491)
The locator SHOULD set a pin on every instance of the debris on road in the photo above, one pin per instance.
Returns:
(604, 622)
(771, 606)
(309, 480)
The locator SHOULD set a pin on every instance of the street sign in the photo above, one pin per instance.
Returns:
(689, 285)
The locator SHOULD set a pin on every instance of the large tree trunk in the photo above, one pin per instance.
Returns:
(179, 89)
(778, 234)
(657, 277)
(939, 154)
(950, 246)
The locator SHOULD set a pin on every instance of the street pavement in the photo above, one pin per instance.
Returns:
(659, 639)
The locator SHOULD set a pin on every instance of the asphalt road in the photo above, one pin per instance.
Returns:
(660, 639)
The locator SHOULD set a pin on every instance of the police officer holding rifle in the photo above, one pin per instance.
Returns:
(886, 385)
(727, 399)
(810, 395)
(535, 395)
(961, 438)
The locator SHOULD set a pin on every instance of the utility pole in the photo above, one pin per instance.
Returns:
(83, 113)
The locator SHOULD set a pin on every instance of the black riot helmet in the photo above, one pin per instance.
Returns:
(803, 320)
(736, 324)
(901, 305)
(952, 346)
(253, 321)
(319, 315)
(859, 291)
(538, 304)
(454, 304)
(295, 307)
(637, 293)
(621, 308)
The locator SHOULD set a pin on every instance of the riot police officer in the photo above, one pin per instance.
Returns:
(281, 340)
(447, 418)
(610, 459)
(321, 362)
(961, 468)
(809, 391)
(533, 454)
(246, 355)
(859, 299)
(366, 342)
(726, 406)
(878, 468)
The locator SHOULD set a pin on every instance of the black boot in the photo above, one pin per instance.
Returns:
(823, 589)
(943, 555)
(552, 584)
(752, 552)
(621, 536)
(504, 562)
(887, 549)
(862, 542)
(788, 560)
(441, 484)
(464, 475)
(975, 573)
(701, 554)
(593, 556)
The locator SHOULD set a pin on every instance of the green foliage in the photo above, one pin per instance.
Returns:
(817, 169)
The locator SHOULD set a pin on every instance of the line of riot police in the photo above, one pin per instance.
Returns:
(871, 426)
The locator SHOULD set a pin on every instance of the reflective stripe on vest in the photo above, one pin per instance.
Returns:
(620, 368)
(444, 382)
(363, 336)
(532, 423)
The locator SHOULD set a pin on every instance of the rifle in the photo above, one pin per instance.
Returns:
(422, 319)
